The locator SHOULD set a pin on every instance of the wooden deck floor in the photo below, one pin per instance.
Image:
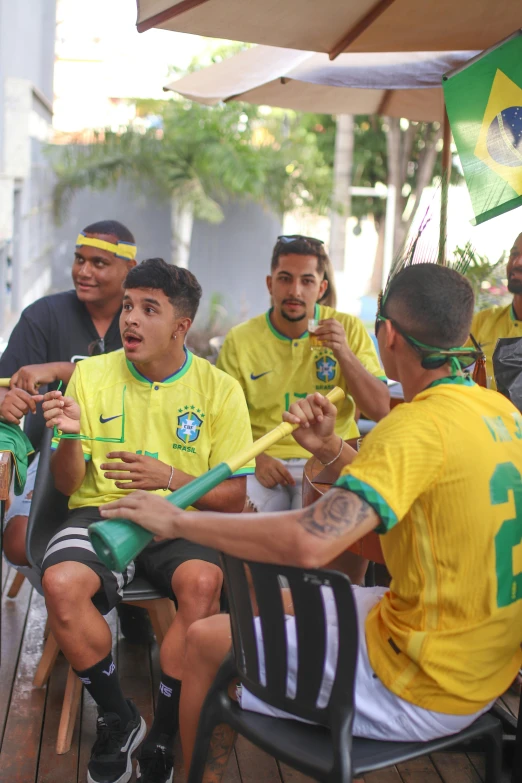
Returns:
(29, 717)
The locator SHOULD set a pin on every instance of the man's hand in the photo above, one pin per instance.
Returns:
(150, 511)
(271, 471)
(137, 471)
(62, 412)
(18, 403)
(32, 376)
(332, 335)
(316, 418)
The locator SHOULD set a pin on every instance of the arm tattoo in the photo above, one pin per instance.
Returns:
(221, 746)
(335, 514)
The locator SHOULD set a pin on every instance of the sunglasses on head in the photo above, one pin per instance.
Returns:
(288, 239)
(97, 347)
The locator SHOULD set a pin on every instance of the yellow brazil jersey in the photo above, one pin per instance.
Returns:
(488, 326)
(444, 474)
(275, 371)
(193, 420)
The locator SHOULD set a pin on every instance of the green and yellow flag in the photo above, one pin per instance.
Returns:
(484, 105)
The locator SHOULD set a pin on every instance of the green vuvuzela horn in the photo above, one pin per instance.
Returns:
(117, 541)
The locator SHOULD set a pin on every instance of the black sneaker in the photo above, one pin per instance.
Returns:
(156, 762)
(110, 760)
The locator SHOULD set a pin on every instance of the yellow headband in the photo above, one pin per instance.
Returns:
(124, 250)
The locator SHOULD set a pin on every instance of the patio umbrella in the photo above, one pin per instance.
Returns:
(396, 84)
(334, 26)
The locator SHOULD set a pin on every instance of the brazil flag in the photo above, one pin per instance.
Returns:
(484, 105)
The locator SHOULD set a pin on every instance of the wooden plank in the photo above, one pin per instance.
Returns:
(455, 768)
(289, 775)
(254, 764)
(419, 770)
(53, 768)
(25, 720)
(387, 775)
(479, 762)
(511, 701)
(14, 616)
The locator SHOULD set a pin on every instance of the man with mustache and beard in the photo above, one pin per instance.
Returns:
(495, 322)
(271, 357)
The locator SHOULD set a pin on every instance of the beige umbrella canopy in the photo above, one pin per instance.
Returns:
(334, 26)
(395, 84)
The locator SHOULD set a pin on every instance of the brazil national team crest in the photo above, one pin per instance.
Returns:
(326, 367)
(189, 424)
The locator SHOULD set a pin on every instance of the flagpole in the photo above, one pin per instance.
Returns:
(444, 194)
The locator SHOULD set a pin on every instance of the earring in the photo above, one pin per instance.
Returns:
(175, 336)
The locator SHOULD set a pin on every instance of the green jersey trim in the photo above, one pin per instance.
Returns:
(371, 496)
(283, 336)
(453, 380)
(185, 367)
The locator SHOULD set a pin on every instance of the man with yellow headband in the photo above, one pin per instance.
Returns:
(52, 335)
(495, 322)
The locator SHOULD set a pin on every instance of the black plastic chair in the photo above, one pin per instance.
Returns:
(48, 510)
(326, 752)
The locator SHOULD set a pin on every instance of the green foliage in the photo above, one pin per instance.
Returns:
(203, 156)
(370, 156)
(488, 278)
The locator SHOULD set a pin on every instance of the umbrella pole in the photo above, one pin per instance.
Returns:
(444, 195)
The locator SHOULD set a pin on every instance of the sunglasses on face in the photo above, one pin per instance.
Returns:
(97, 347)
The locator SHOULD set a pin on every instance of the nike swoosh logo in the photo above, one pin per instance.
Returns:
(255, 377)
(104, 421)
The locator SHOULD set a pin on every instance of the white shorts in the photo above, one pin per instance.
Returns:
(278, 498)
(21, 504)
(379, 713)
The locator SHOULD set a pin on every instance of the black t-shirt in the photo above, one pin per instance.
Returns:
(56, 328)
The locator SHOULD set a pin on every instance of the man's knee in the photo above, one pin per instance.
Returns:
(208, 640)
(14, 540)
(197, 583)
(66, 586)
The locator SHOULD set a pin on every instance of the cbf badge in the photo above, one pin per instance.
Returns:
(189, 427)
(326, 367)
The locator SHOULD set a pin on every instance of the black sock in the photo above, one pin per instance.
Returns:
(103, 684)
(166, 717)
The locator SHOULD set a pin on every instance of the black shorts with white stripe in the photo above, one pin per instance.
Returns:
(71, 543)
(157, 563)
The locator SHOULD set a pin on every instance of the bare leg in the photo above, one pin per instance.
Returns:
(208, 642)
(14, 540)
(197, 587)
(80, 630)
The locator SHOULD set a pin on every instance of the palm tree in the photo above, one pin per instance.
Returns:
(198, 158)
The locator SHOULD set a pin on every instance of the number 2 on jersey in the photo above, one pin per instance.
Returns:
(509, 585)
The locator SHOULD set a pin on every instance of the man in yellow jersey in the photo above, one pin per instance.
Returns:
(272, 359)
(495, 322)
(441, 479)
(152, 416)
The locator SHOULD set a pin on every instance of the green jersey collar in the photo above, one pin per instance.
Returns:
(283, 336)
(454, 380)
(170, 379)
